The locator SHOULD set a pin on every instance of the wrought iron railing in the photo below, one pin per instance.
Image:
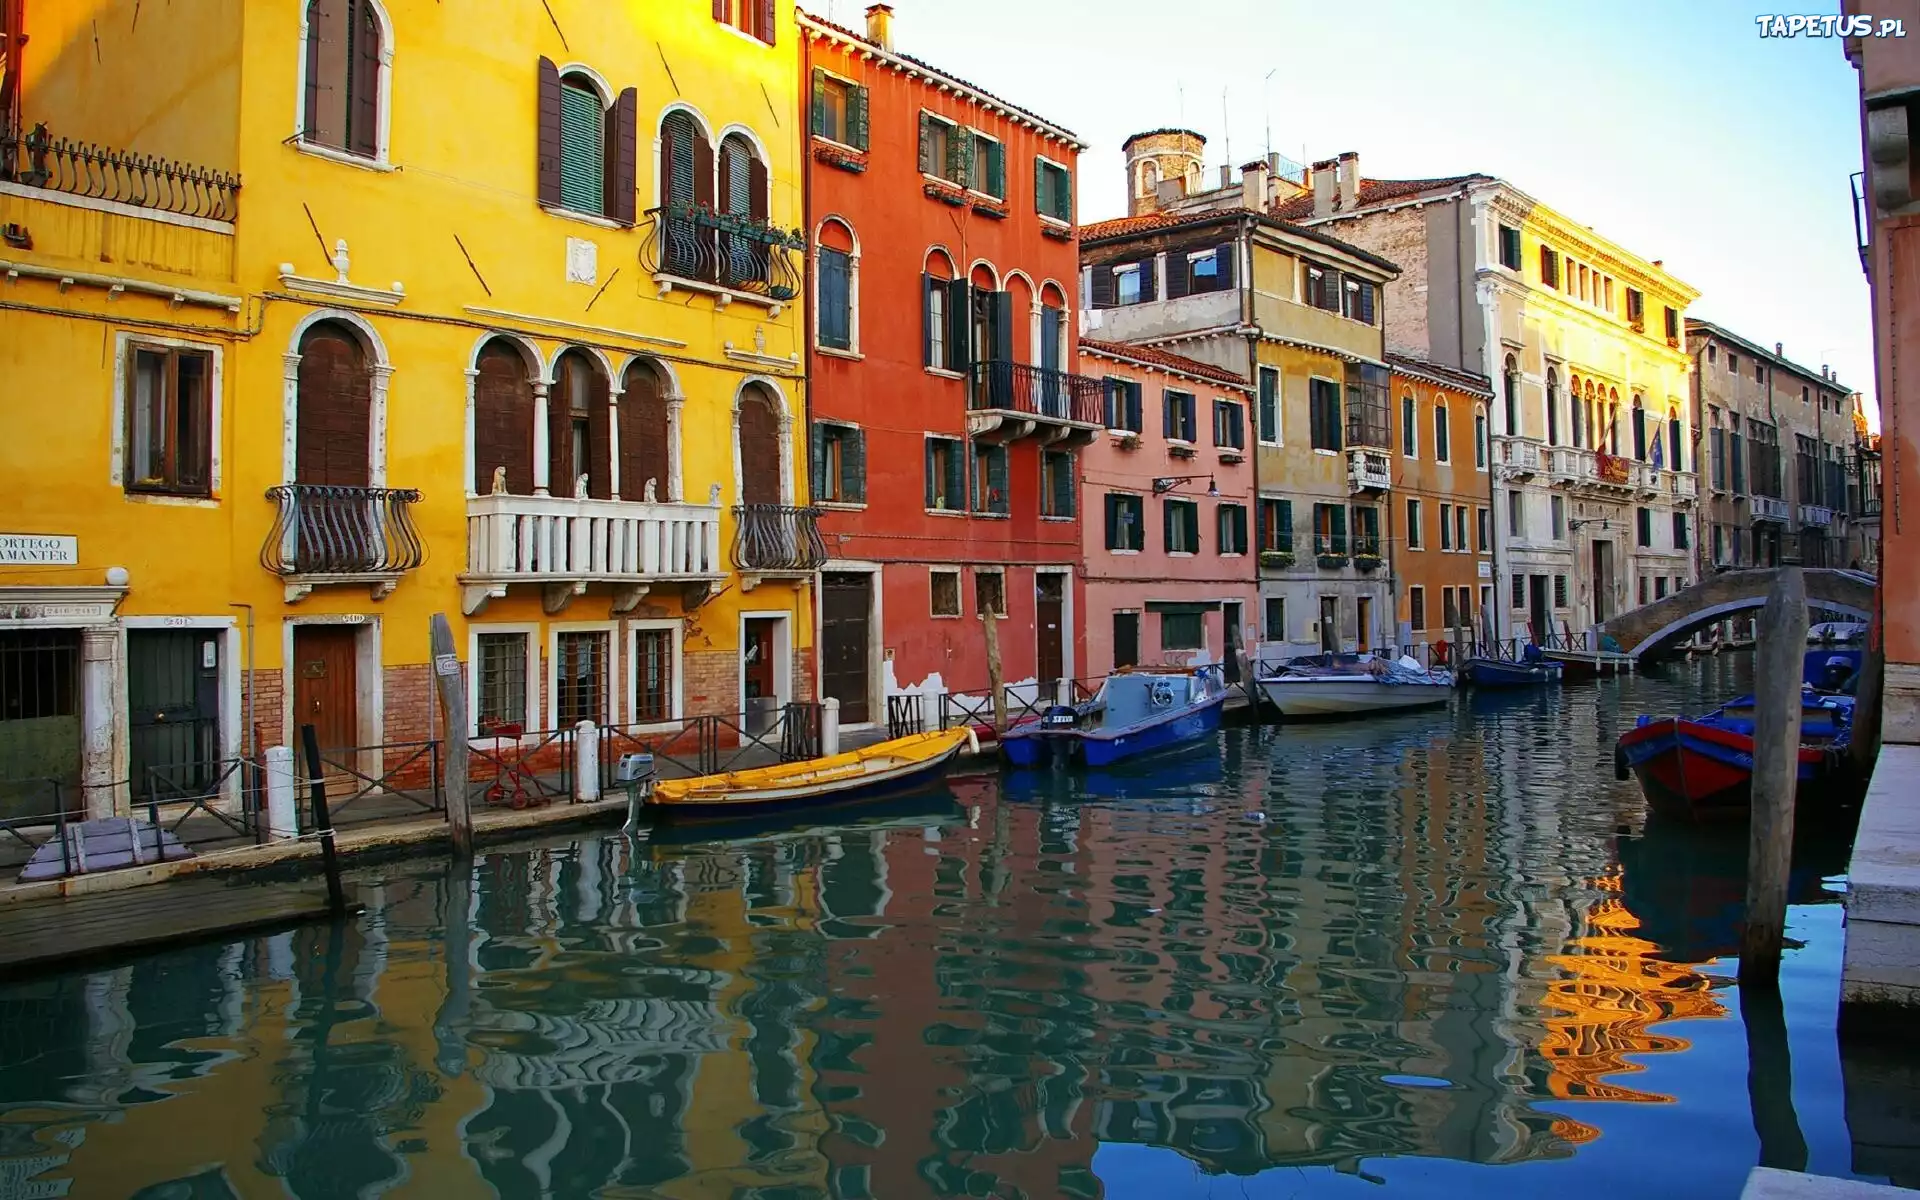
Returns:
(1035, 391)
(38, 159)
(740, 253)
(325, 530)
(712, 744)
(777, 537)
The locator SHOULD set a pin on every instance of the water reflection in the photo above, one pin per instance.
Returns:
(1428, 936)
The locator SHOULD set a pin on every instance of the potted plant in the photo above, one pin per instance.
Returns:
(1129, 441)
(1276, 559)
(1180, 450)
(1368, 562)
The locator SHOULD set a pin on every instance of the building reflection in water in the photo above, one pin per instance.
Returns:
(959, 995)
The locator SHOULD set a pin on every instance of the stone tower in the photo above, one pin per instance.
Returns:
(1163, 165)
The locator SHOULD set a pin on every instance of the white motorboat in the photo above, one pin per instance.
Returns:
(1320, 687)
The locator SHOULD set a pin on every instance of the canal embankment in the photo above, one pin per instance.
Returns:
(1882, 962)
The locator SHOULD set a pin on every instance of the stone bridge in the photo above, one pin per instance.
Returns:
(1660, 624)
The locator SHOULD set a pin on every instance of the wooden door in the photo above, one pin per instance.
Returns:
(1049, 620)
(756, 658)
(1364, 623)
(846, 607)
(1330, 624)
(1542, 614)
(335, 405)
(173, 711)
(326, 685)
(1230, 640)
(1126, 640)
(760, 472)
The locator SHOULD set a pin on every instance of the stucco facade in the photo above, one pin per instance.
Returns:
(1442, 561)
(1152, 597)
(443, 353)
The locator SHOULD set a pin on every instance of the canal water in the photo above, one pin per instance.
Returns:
(1440, 953)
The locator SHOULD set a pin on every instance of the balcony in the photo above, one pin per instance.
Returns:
(730, 258)
(1817, 515)
(40, 160)
(1647, 479)
(563, 545)
(1007, 401)
(1568, 465)
(326, 535)
(1682, 486)
(1768, 508)
(1519, 459)
(1609, 471)
(776, 541)
(1369, 470)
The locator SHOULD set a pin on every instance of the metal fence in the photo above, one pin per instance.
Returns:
(714, 745)
(38, 159)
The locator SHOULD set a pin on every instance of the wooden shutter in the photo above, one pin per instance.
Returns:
(927, 165)
(623, 151)
(317, 20)
(643, 435)
(1000, 322)
(1339, 529)
(957, 473)
(334, 410)
(1041, 202)
(960, 151)
(502, 421)
(1062, 481)
(857, 117)
(363, 82)
(817, 123)
(561, 469)
(1167, 424)
(548, 168)
(1179, 275)
(853, 466)
(1149, 286)
(817, 459)
(1113, 522)
(1365, 313)
(959, 324)
(1134, 404)
(997, 495)
(702, 155)
(583, 136)
(766, 21)
(757, 188)
(760, 472)
(927, 284)
(720, 9)
(1226, 256)
(933, 469)
(1102, 292)
(996, 170)
(599, 465)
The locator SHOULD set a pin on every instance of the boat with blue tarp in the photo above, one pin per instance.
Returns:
(1531, 669)
(1134, 713)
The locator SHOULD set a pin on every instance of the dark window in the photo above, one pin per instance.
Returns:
(1181, 519)
(1643, 522)
(1229, 425)
(1366, 530)
(1357, 300)
(1417, 607)
(1323, 408)
(1409, 427)
(1276, 525)
(1182, 631)
(751, 17)
(1519, 591)
(1480, 440)
(1126, 525)
(1180, 419)
(990, 592)
(1446, 527)
(1209, 270)
(1122, 402)
(1460, 527)
(1510, 387)
(1636, 308)
(342, 104)
(1559, 591)
(1414, 533)
(1056, 483)
(502, 671)
(1549, 267)
(653, 658)
(1232, 521)
(1516, 514)
(503, 423)
(836, 298)
(1679, 531)
(580, 679)
(578, 441)
(1276, 607)
(1367, 406)
(989, 167)
(1323, 287)
(946, 152)
(169, 405)
(1442, 439)
(943, 323)
(839, 463)
(946, 474)
(839, 110)
(1449, 609)
(990, 480)
(1483, 528)
(1126, 639)
(1052, 190)
(1269, 404)
(1510, 247)
(1330, 529)
(944, 593)
(1673, 324)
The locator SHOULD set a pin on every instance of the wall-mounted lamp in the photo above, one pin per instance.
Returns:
(1577, 525)
(1167, 483)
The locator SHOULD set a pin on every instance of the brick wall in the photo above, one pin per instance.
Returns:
(1399, 237)
(803, 680)
(710, 684)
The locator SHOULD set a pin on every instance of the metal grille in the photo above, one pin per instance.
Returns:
(653, 675)
(503, 679)
(39, 674)
(581, 683)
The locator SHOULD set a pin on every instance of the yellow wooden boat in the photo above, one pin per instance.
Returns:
(901, 765)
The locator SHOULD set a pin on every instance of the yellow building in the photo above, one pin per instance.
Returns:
(364, 310)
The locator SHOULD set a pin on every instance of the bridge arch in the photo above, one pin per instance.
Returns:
(1654, 626)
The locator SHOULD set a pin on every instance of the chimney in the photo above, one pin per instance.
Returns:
(1226, 176)
(1323, 184)
(1349, 181)
(880, 25)
(1253, 186)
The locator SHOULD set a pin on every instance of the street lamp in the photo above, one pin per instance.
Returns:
(1167, 483)
(1578, 524)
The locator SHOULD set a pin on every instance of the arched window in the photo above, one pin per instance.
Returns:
(646, 461)
(1576, 429)
(1596, 413)
(587, 144)
(1149, 179)
(1613, 421)
(1510, 382)
(1053, 351)
(743, 196)
(345, 61)
(578, 428)
(1553, 407)
(1675, 442)
(943, 315)
(1639, 419)
(836, 283)
(1442, 443)
(1409, 427)
(1480, 447)
(761, 468)
(332, 428)
(502, 419)
(686, 186)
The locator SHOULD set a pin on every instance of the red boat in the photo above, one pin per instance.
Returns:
(1701, 768)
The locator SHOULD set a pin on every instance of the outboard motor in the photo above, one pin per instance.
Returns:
(1059, 716)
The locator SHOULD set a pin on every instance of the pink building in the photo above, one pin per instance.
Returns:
(1170, 573)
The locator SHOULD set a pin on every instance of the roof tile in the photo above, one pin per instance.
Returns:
(1372, 192)
(1163, 358)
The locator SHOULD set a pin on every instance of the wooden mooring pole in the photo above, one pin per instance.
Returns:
(990, 623)
(453, 711)
(323, 821)
(1781, 651)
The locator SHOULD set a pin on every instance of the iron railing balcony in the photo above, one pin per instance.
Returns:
(694, 248)
(324, 534)
(37, 159)
(776, 539)
(1009, 400)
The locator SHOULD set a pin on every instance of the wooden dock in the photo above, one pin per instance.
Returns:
(52, 934)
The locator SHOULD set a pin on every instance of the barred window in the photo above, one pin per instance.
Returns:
(653, 667)
(502, 671)
(580, 684)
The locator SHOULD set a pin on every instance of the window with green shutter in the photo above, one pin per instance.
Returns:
(960, 156)
(836, 298)
(990, 480)
(1269, 405)
(583, 146)
(1182, 521)
(1324, 410)
(989, 173)
(946, 475)
(1056, 484)
(839, 110)
(1276, 525)
(839, 462)
(1052, 190)
(1230, 521)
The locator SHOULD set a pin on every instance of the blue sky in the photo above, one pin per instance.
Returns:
(1671, 128)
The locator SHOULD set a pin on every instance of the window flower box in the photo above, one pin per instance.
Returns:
(1128, 441)
(989, 208)
(1276, 559)
(1059, 233)
(1233, 457)
(946, 193)
(1181, 450)
(835, 156)
(1368, 562)
(1332, 562)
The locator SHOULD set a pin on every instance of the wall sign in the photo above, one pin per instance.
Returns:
(39, 550)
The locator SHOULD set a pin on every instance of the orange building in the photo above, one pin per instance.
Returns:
(1440, 522)
(946, 433)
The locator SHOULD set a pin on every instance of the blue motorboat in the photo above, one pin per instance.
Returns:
(1135, 713)
(1529, 670)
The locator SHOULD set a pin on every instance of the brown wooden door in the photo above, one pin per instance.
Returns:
(1049, 619)
(335, 405)
(759, 451)
(846, 607)
(502, 421)
(325, 686)
(756, 658)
